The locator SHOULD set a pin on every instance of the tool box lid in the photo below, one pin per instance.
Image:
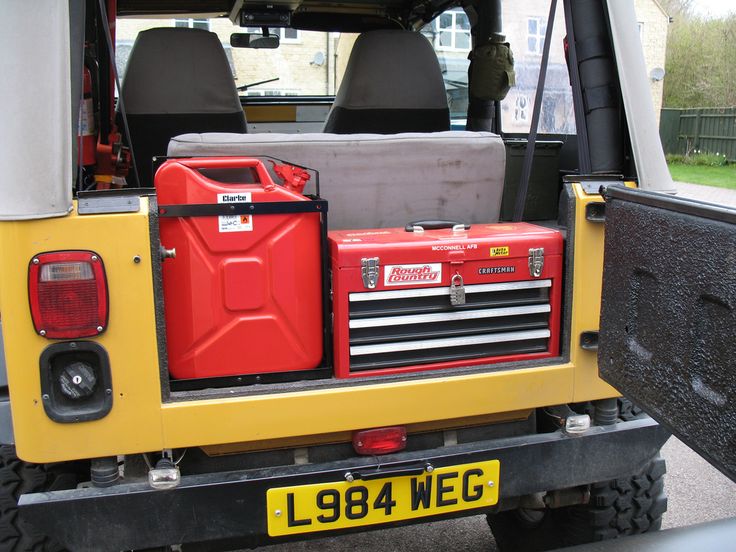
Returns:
(479, 242)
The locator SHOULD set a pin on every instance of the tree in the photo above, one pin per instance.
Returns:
(699, 70)
(678, 8)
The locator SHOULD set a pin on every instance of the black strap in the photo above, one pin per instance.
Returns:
(526, 169)
(225, 209)
(600, 97)
(593, 47)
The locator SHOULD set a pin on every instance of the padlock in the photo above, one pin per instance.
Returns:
(457, 291)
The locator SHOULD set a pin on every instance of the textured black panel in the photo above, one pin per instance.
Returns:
(668, 318)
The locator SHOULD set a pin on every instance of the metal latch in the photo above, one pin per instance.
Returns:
(589, 341)
(536, 261)
(370, 269)
(457, 291)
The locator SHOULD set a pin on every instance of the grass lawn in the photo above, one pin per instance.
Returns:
(722, 177)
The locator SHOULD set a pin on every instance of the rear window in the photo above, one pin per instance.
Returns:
(525, 29)
(310, 63)
(307, 63)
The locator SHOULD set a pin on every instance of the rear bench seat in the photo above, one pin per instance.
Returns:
(381, 181)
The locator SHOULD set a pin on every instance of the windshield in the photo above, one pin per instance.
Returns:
(307, 63)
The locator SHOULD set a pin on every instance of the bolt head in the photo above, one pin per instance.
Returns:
(94, 258)
(42, 333)
(277, 513)
(137, 259)
(349, 477)
(100, 328)
(491, 484)
(36, 261)
(45, 397)
(429, 468)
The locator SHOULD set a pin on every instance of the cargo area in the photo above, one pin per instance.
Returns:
(375, 247)
(247, 289)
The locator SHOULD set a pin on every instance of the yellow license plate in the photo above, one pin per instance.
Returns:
(339, 505)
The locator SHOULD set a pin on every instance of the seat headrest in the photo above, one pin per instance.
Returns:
(392, 69)
(178, 70)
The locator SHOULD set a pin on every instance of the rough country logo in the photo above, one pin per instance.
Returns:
(401, 275)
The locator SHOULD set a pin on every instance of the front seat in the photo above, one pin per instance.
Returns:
(393, 83)
(178, 80)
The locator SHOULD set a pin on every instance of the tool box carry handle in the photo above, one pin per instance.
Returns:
(422, 225)
(264, 178)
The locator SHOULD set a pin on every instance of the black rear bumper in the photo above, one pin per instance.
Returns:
(226, 510)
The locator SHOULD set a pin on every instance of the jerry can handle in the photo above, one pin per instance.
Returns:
(264, 179)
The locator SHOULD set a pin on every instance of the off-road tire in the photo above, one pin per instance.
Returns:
(626, 506)
(16, 478)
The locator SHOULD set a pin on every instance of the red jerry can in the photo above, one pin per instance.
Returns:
(243, 295)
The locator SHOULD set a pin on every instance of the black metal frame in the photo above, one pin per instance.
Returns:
(668, 202)
(314, 205)
(228, 510)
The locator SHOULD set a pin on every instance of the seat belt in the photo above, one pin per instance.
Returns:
(526, 169)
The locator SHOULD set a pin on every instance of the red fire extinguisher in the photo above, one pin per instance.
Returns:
(87, 131)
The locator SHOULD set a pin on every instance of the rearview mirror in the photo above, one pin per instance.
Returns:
(250, 40)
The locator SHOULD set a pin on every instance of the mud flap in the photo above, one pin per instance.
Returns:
(668, 315)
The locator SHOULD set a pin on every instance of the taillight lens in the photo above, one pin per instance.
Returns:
(383, 440)
(67, 291)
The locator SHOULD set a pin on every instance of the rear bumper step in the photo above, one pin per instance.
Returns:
(231, 507)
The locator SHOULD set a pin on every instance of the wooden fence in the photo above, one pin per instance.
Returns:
(708, 130)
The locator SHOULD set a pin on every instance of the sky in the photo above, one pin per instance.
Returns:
(714, 8)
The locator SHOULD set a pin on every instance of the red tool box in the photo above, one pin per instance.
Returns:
(417, 299)
(244, 293)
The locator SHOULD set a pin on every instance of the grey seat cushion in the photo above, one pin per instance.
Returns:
(379, 181)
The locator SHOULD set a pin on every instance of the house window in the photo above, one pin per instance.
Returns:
(452, 31)
(521, 109)
(284, 34)
(193, 23)
(536, 28)
(272, 93)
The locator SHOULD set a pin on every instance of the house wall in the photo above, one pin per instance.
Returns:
(654, 24)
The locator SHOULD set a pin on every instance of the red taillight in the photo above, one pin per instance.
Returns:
(68, 294)
(382, 440)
